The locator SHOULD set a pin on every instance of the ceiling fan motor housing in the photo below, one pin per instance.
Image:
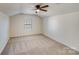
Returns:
(37, 6)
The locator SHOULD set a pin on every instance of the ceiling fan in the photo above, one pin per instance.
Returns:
(41, 8)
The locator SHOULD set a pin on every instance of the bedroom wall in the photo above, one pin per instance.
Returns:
(4, 31)
(17, 25)
(63, 28)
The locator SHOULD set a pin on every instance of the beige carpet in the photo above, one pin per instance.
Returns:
(35, 45)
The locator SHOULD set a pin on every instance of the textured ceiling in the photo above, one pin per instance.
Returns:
(28, 8)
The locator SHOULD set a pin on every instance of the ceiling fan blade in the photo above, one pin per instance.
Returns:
(45, 6)
(43, 10)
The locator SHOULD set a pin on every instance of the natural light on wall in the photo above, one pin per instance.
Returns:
(53, 24)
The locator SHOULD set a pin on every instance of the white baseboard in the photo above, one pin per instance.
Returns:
(25, 35)
(1, 50)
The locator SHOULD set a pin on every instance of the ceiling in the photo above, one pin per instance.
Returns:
(28, 8)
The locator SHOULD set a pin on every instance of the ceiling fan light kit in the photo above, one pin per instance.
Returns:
(37, 10)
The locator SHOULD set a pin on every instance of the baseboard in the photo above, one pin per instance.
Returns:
(4, 46)
(53, 38)
(26, 35)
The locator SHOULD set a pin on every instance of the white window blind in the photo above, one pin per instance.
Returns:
(28, 25)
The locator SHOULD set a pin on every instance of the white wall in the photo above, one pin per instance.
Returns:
(63, 28)
(17, 25)
(4, 31)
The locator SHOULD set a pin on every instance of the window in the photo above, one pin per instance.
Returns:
(28, 25)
